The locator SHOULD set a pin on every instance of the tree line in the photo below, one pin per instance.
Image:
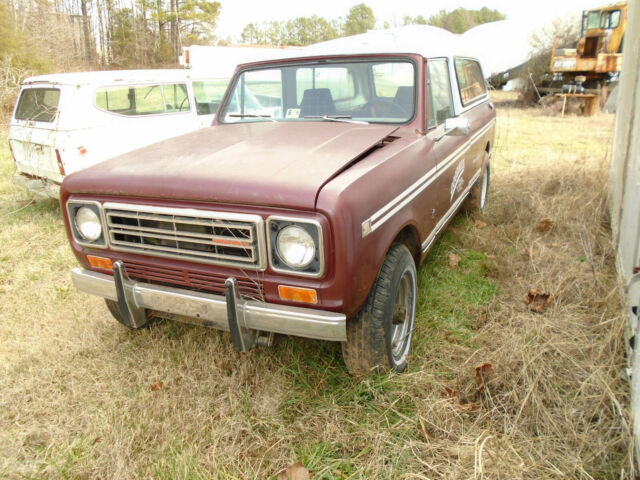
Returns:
(457, 21)
(313, 29)
(109, 32)
(303, 31)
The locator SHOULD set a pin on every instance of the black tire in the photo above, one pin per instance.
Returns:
(479, 193)
(114, 308)
(373, 335)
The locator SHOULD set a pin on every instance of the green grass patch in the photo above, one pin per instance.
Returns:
(449, 297)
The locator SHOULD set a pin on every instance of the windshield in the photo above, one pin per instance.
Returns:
(593, 20)
(369, 91)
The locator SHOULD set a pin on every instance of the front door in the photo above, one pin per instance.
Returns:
(450, 151)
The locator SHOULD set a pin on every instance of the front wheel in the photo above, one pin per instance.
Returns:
(114, 309)
(379, 337)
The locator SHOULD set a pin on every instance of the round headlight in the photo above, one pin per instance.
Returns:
(295, 246)
(88, 224)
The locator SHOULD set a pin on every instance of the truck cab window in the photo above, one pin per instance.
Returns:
(470, 80)
(440, 99)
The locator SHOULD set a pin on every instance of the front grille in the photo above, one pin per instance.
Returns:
(202, 236)
(247, 287)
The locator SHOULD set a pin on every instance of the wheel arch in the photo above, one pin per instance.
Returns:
(409, 237)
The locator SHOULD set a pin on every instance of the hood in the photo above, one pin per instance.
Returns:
(263, 163)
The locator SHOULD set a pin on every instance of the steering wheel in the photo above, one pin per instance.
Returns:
(185, 99)
(382, 107)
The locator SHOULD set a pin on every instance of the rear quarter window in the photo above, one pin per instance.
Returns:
(38, 104)
(470, 80)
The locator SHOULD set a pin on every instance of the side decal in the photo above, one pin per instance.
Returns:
(457, 182)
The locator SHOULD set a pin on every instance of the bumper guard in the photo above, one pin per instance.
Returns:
(242, 317)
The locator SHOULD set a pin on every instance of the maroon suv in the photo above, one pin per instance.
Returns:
(304, 210)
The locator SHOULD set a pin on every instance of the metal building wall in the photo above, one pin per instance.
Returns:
(625, 192)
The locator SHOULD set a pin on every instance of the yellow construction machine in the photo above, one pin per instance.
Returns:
(597, 59)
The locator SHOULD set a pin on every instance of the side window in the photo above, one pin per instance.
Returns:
(148, 100)
(175, 97)
(614, 20)
(470, 80)
(143, 99)
(337, 79)
(440, 99)
(114, 99)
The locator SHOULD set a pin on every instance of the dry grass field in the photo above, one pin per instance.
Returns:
(83, 398)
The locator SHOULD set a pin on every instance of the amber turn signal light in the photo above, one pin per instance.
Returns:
(100, 262)
(297, 294)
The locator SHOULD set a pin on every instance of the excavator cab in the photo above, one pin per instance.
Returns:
(602, 30)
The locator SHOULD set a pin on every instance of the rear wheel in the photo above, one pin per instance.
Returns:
(379, 337)
(479, 193)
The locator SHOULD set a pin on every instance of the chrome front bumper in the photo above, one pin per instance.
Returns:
(37, 186)
(214, 310)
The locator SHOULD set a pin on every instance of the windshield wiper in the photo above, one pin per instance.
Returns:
(337, 118)
(252, 115)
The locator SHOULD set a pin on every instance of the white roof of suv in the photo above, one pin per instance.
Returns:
(424, 40)
(114, 77)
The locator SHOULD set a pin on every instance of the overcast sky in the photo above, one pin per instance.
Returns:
(238, 13)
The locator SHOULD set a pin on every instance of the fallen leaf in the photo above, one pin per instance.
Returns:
(454, 260)
(479, 224)
(449, 393)
(454, 397)
(294, 472)
(545, 224)
(156, 386)
(537, 300)
(481, 372)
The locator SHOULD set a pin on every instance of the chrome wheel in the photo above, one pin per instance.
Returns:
(484, 190)
(403, 316)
